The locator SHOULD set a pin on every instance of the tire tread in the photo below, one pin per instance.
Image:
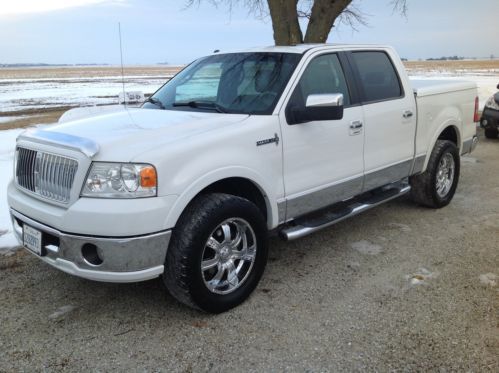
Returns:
(422, 184)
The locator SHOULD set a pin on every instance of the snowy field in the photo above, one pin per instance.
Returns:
(7, 145)
(21, 92)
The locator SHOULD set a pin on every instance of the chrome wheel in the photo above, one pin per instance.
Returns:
(228, 256)
(445, 175)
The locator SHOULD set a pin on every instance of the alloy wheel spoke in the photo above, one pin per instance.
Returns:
(250, 254)
(215, 281)
(209, 263)
(227, 235)
(213, 244)
(232, 274)
(239, 236)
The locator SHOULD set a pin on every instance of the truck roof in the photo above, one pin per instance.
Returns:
(302, 48)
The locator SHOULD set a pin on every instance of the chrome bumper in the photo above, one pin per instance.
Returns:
(123, 259)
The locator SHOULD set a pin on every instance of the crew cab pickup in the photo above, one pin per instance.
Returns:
(188, 186)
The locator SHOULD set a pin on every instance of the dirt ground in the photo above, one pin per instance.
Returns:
(399, 288)
(454, 66)
(51, 72)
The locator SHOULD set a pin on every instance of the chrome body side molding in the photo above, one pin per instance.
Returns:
(313, 224)
(81, 144)
(387, 175)
(302, 204)
(305, 203)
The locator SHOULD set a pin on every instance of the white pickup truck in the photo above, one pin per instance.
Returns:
(188, 186)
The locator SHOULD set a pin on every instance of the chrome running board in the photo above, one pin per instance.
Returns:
(334, 214)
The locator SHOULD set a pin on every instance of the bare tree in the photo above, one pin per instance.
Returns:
(321, 16)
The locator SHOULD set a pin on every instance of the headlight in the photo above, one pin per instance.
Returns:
(120, 180)
(491, 103)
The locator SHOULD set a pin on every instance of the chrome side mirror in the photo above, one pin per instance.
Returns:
(324, 100)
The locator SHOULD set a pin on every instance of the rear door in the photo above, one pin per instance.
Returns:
(323, 160)
(389, 117)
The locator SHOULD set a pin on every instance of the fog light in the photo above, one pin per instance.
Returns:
(90, 254)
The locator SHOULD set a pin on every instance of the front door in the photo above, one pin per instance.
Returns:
(323, 160)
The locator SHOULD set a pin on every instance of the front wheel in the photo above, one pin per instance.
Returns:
(217, 254)
(436, 186)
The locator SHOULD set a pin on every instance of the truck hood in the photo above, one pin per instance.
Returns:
(122, 135)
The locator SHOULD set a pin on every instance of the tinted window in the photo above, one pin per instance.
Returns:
(323, 75)
(249, 83)
(377, 75)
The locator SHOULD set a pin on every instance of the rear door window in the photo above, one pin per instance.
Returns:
(378, 77)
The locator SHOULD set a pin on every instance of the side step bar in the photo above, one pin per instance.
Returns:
(316, 221)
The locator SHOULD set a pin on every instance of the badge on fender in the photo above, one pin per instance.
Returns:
(269, 141)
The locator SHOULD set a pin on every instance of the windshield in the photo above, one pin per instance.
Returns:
(247, 83)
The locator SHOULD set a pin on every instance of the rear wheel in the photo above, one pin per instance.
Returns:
(491, 133)
(217, 254)
(436, 186)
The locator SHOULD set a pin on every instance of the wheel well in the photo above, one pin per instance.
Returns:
(450, 134)
(238, 186)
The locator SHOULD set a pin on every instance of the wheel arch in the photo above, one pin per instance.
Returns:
(244, 183)
(449, 130)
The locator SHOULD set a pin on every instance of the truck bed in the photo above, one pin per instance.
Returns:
(423, 87)
(441, 103)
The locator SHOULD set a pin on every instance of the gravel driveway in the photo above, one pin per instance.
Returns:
(400, 287)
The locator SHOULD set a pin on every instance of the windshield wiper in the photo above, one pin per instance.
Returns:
(155, 101)
(202, 105)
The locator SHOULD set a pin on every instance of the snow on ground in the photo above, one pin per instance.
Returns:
(10, 119)
(21, 94)
(7, 145)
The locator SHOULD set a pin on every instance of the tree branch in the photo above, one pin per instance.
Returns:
(400, 6)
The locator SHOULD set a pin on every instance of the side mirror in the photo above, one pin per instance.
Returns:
(498, 86)
(322, 106)
(324, 100)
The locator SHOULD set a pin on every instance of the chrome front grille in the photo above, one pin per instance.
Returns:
(48, 175)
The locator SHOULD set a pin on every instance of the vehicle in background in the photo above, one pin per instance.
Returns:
(490, 116)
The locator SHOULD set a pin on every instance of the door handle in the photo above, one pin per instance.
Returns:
(356, 124)
(407, 114)
(355, 127)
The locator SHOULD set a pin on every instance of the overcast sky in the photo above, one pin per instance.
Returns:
(86, 31)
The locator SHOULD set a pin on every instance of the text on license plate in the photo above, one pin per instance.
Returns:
(32, 239)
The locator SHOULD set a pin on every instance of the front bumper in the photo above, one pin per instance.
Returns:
(490, 118)
(123, 259)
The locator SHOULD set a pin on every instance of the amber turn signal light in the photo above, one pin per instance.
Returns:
(148, 177)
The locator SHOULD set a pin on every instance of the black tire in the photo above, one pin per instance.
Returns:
(183, 276)
(491, 133)
(424, 185)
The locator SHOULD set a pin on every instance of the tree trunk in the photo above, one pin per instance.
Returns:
(324, 13)
(284, 16)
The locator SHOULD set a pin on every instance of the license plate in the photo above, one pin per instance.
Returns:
(32, 239)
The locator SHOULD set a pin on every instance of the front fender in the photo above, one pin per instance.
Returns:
(197, 185)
